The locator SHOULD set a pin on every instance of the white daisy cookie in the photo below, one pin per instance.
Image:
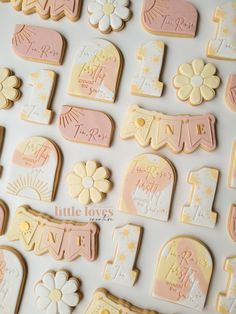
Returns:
(9, 88)
(57, 293)
(196, 82)
(89, 182)
(109, 15)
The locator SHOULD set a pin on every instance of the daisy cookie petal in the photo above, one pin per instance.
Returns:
(9, 88)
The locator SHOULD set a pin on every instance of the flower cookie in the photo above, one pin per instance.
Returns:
(9, 88)
(89, 182)
(196, 82)
(109, 15)
(57, 293)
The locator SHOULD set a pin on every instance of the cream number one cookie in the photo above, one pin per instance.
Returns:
(147, 83)
(42, 84)
(121, 270)
(226, 301)
(224, 45)
(199, 211)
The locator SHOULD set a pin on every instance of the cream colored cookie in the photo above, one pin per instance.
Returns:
(9, 88)
(232, 168)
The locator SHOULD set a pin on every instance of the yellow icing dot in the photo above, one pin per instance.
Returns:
(122, 257)
(146, 70)
(39, 85)
(55, 295)
(209, 191)
(140, 122)
(24, 226)
(131, 246)
(108, 8)
(105, 311)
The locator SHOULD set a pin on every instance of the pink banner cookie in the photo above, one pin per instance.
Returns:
(86, 126)
(230, 93)
(183, 273)
(170, 17)
(61, 239)
(3, 217)
(38, 44)
(148, 187)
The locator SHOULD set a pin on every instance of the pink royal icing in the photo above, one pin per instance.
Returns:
(230, 94)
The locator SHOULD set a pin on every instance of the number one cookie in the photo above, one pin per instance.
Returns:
(199, 211)
(224, 45)
(147, 83)
(42, 85)
(121, 270)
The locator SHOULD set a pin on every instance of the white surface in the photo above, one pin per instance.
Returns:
(118, 156)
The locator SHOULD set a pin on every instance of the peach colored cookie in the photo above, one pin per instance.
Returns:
(89, 182)
(199, 209)
(183, 273)
(225, 303)
(13, 274)
(61, 239)
(147, 83)
(38, 44)
(104, 303)
(81, 125)
(232, 168)
(223, 46)
(232, 222)
(196, 82)
(35, 169)
(170, 17)
(42, 84)
(96, 71)
(148, 187)
(2, 134)
(4, 212)
(57, 292)
(109, 15)
(230, 92)
(127, 244)
(180, 133)
(9, 88)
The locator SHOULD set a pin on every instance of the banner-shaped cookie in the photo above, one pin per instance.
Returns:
(61, 239)
(232, 222)
(38, 44)
(180, 133)
(104, 302)
(96, 71)
(148, 187)
(35, 169)
(3, 217)
(183, 273)
(86, 126)
(170, 17)
(230, 92)
(12, 280)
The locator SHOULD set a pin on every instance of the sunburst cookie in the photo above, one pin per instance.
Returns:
(57, 292)
(89, 182)
(9, 88)
(109, 15)
(196, 82)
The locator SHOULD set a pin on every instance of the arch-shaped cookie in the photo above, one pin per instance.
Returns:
(183, 272)
(35, 169)
(13, 273)
(148, 187)
(3, 217)
(169, 17)
(96, 71)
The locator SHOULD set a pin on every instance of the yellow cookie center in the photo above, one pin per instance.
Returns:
(87, 182)
(196, 81)
(108, 8)
(104, 311)
(55, 295)
(24, 226)
(140, 122)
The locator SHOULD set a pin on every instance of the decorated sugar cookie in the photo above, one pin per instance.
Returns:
(226, 300)
(89, 182)
(3, 217)
(38, 44)
(170, 17)
(61, 239)
(9, 88)
(179, 133)
(230, 92)
(223, 46)
(109, 15)
(13, 273)
(148, 187)
(147, 83)
(57, 292)
(42, 84)
(121, 270)
(196, 82)
(232, 222)
(199, 210)
(81, 125)
(96, 71)
(103, 303)
(232, 169)
(2, 134)
(183, 273)
(54, 9)
(35, 169)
